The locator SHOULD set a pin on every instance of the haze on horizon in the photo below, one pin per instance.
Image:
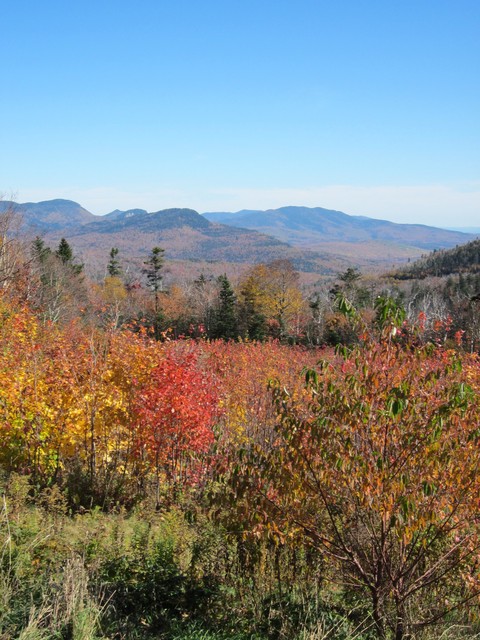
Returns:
(369, 108)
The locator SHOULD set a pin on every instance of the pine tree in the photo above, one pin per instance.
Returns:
(65, 254)
(251, 321)
(64, 251)
(226, 324)
(40, 251)
(153, 272)
(113, 267)
(59, 288)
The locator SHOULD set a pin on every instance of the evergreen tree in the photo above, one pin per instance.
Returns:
(252, 323)
(201, 281)
(257, 326)
(40, 251)
(350, 277)
(203, 301)
(113, 267)
(153, 272)
(226, 325)
(349, 286)
(59, 289)
(42, 256)
(65, 254)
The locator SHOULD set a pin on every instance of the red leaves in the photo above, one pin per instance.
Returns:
(176, 410)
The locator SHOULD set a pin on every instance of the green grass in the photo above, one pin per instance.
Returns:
(171, 575)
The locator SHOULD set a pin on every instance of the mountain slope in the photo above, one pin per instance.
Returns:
(462, 259)
(185, 235)
(326, 241)
(142, 220)
(49, 215)
(311, 227)
(120, 215)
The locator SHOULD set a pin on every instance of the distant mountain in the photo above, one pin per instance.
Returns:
(121, 215)
(141, 219)
(49, 215)
(185, 235)
(311, 227)
(474, 230)
(324, 241)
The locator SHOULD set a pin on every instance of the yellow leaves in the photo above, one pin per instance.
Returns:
(273, 291)
(114, 290)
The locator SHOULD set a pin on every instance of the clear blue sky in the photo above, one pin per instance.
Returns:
(368, 106)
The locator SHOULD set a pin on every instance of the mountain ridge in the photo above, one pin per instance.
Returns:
(49, 214)
(445, 262)
(184, 233)
(311, 226)
(317, 240)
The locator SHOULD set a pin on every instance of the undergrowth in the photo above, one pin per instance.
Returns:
(157, 575)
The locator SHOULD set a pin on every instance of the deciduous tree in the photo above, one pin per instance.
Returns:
(176, 411)
(379, 472)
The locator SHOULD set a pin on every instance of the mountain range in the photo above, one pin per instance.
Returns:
(317, 240)
(311, 227)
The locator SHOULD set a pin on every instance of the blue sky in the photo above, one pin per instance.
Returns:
(368, 106)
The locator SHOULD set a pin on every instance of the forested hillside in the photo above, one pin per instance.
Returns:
(462, 259)
(317, 241)
(311, 226)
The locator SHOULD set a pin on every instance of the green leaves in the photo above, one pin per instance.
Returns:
(388, 313)
(346, 307)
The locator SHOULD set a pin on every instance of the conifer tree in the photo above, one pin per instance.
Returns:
(251, 320)
(226, 325)
(113, 267)
(153, 272)
(40, 251)
(65, 254)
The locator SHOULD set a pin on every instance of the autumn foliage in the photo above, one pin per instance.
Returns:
(118, 408)
(176, 409)
(379, 472)
(370, 457)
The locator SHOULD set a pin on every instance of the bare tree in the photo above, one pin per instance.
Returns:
(11, 253)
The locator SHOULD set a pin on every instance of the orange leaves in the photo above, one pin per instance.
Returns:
(379, 467)
(245, 370)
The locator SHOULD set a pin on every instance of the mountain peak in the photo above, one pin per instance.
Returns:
(57, 202)
(51, 214)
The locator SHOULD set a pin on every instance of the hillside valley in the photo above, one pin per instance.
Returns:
(317, 241)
